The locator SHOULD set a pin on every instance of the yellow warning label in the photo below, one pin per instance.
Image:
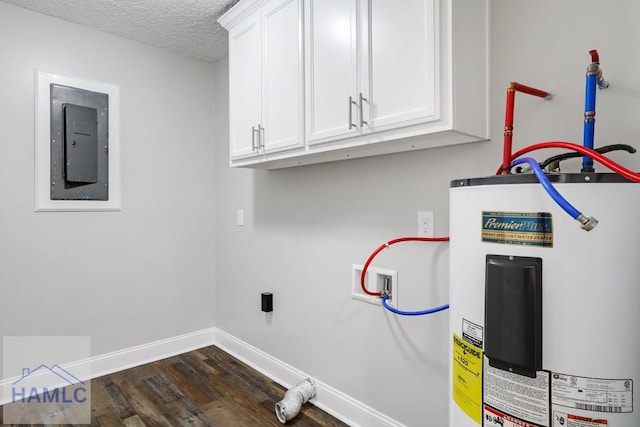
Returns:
(467, 378)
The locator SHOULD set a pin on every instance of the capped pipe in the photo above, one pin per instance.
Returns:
(595, 58)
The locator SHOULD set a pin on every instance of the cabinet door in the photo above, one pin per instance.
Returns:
(283, 76)
(399, 66)
(331, 52)
(244, 86)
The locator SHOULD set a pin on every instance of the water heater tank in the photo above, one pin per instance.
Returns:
(544, 317)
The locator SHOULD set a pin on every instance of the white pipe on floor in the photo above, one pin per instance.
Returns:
(293, 400)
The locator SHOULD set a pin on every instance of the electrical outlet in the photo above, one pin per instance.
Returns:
(425, 224)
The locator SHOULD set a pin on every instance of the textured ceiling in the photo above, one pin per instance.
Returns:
(188, 27)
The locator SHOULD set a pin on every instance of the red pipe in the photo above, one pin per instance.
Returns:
(531, 90)
(610, 164)
(386, 245)
(508, 119)
(508, 129)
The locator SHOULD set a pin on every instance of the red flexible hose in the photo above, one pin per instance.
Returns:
(386, 245)
(610, 164)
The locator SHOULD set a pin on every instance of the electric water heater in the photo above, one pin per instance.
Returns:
(544, 316)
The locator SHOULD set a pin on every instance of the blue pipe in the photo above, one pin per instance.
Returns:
(590, 114)
(587, 223)
(412, 313)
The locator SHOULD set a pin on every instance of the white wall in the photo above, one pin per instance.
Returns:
(306, 226)
(125, 278)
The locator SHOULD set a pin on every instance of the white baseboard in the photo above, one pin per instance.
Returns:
(334, 402)
(120, 360)
(147, 353)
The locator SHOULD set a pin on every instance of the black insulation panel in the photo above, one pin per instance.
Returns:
(513, 313)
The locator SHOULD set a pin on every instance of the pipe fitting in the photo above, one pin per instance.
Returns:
(600, 81)
(293, 400)
(588, 224)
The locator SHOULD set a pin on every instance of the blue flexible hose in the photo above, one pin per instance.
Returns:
(542, 178)
(412, 313)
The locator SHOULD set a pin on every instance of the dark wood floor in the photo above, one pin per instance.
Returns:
(206, 387)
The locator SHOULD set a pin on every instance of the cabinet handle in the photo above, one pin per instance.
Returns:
(260, 136)
(362, 122)
(351, 102)
(253, 138)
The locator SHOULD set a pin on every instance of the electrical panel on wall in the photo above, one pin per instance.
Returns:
(79, 144)
(77, 158)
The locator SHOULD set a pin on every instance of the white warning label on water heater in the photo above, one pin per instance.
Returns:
(521, 397)
(472, 333)
(592, 394)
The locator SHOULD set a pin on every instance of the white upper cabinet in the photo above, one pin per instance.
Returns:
(332, 69)
(283, 76)
(245, 81)
(266, 80)
(342, 79)
(399, 59)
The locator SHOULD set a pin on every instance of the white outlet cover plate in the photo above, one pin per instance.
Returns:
(240, 217)
(425, 217)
